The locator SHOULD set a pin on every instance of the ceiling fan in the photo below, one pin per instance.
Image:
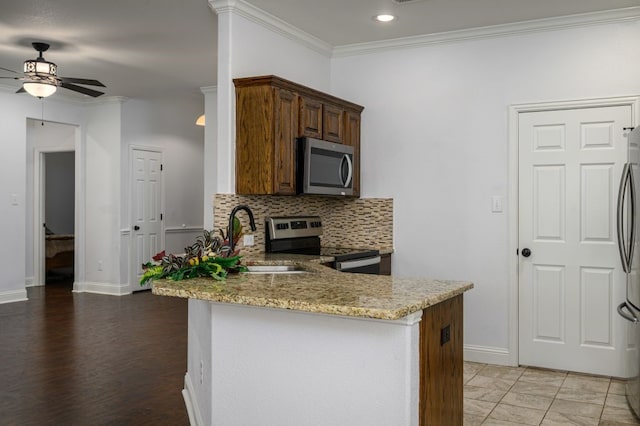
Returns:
(40, 77)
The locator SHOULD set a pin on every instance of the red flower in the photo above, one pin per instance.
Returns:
(158, 257)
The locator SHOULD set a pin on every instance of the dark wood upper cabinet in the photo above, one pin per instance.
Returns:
(352, 137)
(265, 157)
(333, 123)
(310, 117)
(271, 113)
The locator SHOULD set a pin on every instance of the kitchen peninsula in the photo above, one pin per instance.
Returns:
(322, 347)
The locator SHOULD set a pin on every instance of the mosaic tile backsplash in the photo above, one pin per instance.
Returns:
(347, 222)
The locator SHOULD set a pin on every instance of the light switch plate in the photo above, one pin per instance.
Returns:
(248, 240)
(496, 204)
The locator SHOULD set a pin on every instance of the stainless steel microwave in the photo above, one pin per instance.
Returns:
(324, 167)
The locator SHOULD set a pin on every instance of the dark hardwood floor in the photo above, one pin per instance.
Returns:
(86, 359)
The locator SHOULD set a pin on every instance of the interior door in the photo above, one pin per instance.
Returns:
(146, 206)
(570, 275)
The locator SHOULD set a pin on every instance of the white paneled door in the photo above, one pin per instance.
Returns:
(570, 277)
(146, 207)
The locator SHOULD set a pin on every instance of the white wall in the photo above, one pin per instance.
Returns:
(247, 49)
(210, 146)
(103, 197)
(168, 124)
(13, 140)
(105, 124)
(434, 137)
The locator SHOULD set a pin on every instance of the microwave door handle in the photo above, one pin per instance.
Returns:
(346, 181)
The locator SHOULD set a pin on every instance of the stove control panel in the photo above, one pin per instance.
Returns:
(293, 227)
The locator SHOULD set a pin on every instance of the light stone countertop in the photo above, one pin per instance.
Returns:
(321, 290)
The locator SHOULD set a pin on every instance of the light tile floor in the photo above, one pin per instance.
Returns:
(496, 395)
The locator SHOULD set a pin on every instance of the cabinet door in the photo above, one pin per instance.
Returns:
(441, 365)
(332, 123)
(385, 264)
(310, 118)
(286, 120)
(254, 140)
(352, 137)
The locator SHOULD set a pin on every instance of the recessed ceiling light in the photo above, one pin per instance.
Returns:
(384, 18)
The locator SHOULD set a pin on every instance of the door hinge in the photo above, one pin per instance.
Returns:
(517, 252)
(161, 167)
(160, 216)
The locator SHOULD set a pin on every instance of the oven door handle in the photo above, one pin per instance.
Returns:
(351, 264)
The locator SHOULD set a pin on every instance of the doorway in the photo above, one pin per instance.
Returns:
(147, 198)
(568, 159)
(58, 189)
(51, 200)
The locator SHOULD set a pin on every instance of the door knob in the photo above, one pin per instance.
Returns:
(526, 252)
(137, 228)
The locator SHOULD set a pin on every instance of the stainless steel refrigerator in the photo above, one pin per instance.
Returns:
(628, 220)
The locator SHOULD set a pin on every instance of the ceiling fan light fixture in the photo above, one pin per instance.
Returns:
(40, 67)
(39, 90)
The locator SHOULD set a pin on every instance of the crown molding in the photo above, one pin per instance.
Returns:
(209, 89)
(291, 32)
(105, 100)
(532, 26)
(272, 23)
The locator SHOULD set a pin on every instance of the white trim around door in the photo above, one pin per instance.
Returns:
(38, 209)
(514, 111)
(132, 253)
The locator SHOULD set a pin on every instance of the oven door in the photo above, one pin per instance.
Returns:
(368, 265)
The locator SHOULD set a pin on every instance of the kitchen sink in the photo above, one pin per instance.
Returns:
(275, 269)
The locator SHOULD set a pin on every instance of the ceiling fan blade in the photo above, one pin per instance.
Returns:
(81, 89)
(81, 81)
(21, 90)
(7, 69)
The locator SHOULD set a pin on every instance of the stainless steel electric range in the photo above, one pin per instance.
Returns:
(301, 235)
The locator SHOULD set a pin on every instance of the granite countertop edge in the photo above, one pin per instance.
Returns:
(320, 308)
(323, 290)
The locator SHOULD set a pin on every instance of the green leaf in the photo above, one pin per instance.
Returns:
(227, 262)
(237, 228)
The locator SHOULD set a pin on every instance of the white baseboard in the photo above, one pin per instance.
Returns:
(488, 355)
(191, 402)
(101, 288)
(13, 296)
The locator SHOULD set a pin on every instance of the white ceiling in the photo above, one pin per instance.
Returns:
(143, 47)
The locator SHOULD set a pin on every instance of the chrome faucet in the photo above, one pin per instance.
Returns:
(235, 210)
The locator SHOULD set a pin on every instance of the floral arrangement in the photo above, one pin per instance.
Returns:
(210, 256)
